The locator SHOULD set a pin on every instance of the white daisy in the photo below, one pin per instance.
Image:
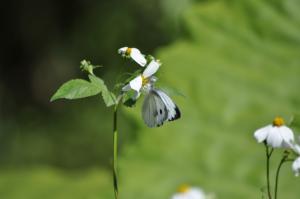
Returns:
(186, 192)
(143, 79)
(276, 135)
(134, 54)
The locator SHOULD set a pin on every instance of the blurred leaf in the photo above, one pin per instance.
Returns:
(75, 89)
(128, 98)
(108, 97)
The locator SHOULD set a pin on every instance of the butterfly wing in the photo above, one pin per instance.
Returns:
(173, 110)
(154, 110)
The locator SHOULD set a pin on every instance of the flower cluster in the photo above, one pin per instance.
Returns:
(158, 107)
(144, 80)
(277, 135)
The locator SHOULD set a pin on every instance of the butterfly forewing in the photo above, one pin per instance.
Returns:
(173, 110)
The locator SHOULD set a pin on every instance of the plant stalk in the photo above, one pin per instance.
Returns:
(277, 177)
(115, 151)
(268, 155)
(283, 160)
(115, 147)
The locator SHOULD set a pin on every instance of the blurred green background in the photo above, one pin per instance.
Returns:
(237, 63)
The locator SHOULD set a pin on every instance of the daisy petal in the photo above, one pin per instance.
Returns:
(136, 83)
(136, 95)
(196, 193)
(274, 138)
(127, 87)
(287, 135)
(262, 133)
(151, 68)
(137, 56)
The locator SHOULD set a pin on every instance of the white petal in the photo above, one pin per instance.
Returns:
(287, 135)
(127, 87)
(262, 133)
(177, 196)
(274, 138)
(151, 69)
(136, 95)
(136, 83)
(296, 166)
(137, 56)
(196, 193)
(122, 50)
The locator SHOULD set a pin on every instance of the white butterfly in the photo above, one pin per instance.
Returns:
(158, 107)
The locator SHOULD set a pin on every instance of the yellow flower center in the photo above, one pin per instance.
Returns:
(145, 80)
(128, 51)
(183, 188)
(278, 121)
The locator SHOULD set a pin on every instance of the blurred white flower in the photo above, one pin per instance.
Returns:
(276, 135)
(296, 162)
(296, 166)
(186, 192)
(134, 54)
(143, 79)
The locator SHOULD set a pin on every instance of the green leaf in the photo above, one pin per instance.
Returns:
(128, 98)
(75, 89)
(108, 97)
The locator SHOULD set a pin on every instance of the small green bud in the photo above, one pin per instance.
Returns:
(88, 67)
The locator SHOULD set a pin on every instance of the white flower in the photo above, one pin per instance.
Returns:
(186, 192)
(143, 79)
(296, 163)
(296, 166)
(134, 54)
(276, 135)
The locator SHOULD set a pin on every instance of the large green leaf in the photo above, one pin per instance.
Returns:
(75, 89)
(108, 97)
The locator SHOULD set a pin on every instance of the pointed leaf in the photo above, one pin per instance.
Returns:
(75, 89)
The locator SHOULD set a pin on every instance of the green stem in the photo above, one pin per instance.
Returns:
(115, 150)
(277, 175)
(283, 160)
(268, 155)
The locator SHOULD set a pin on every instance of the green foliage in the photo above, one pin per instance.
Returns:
(128, 98)
(76, 89)
(108, 97)
(79, 88)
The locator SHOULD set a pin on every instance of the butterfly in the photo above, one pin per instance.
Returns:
(158, 107)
